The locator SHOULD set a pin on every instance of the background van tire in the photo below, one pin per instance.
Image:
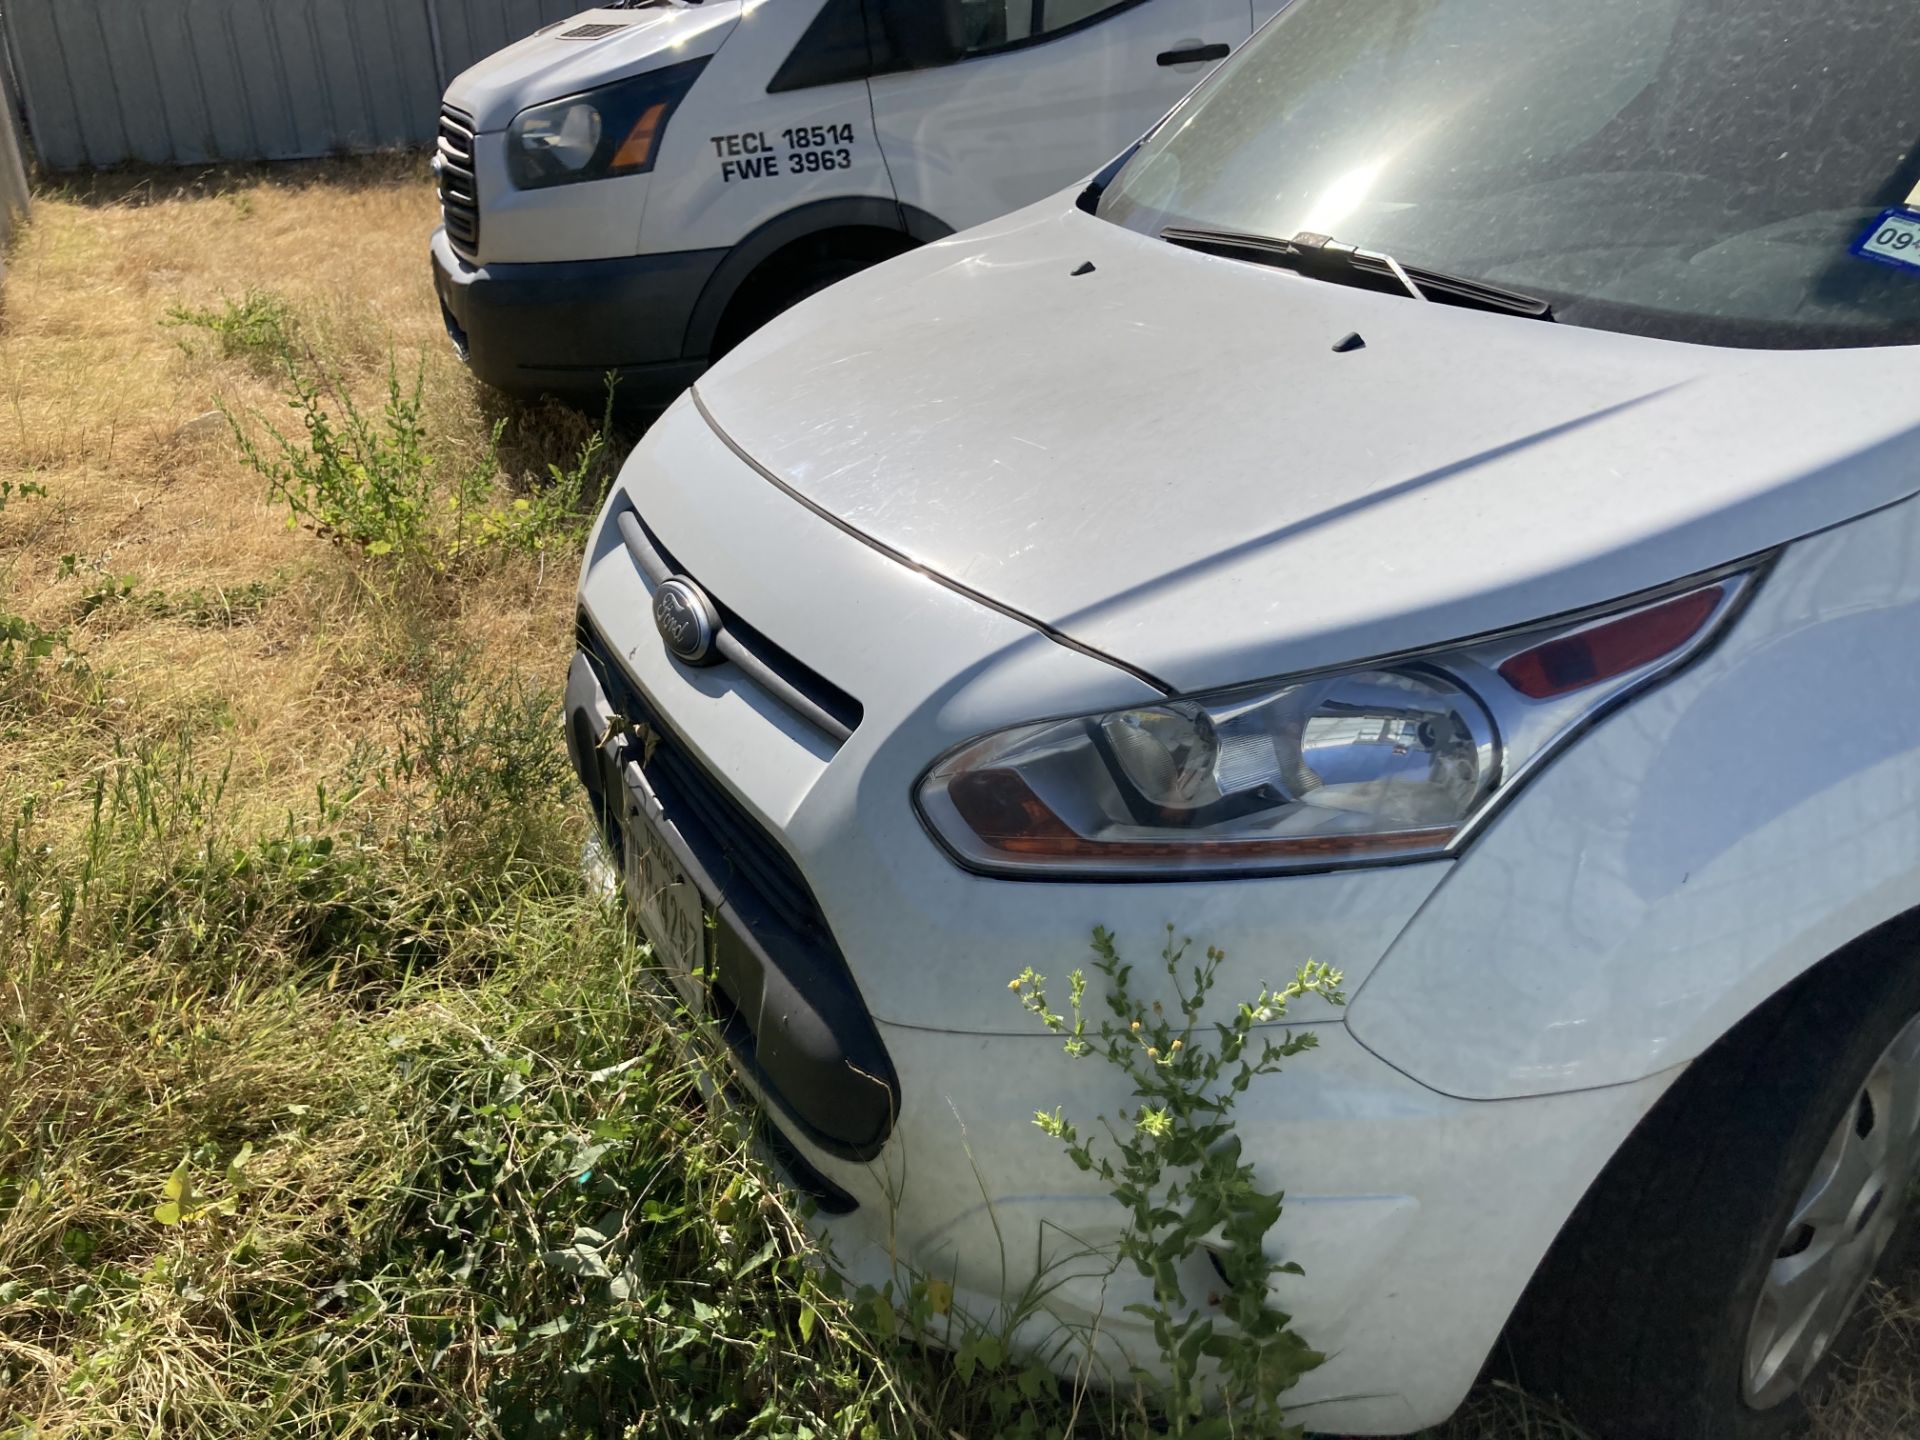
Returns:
(1640, 1318)
(797, 272)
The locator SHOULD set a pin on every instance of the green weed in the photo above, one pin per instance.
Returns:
(12, 490)
(557, 512)
(373, 483)
(108, 591)
(1177, 1166)
(23, 644)
(203, 607)
(259, 328)
(471, 760)
(359, 480)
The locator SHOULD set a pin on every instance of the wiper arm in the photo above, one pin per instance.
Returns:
(1323, 258)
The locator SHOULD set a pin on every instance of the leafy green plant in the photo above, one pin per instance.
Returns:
(106, 591)
(20, 490)
(259, 328)
(1176, 1164)
(355, 479)
(212, 607)
(554, 513)
(23, 644)
(372, 481)
(471, 754)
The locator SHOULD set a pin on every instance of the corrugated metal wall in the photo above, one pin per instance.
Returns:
(185, 82)
(14, 193)
(471, 30)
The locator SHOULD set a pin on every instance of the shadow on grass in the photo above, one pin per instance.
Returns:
(136, 186)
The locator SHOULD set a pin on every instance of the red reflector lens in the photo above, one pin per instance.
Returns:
(1574, 662)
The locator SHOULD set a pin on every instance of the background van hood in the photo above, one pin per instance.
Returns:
(1166, 460)
(546, 66)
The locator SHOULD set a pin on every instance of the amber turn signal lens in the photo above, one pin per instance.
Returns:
(636, 151)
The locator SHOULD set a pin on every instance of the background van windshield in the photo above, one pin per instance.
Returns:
(1698, 169)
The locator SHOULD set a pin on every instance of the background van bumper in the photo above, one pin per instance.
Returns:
(561, 327)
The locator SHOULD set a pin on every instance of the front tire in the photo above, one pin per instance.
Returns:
(1709, 1276)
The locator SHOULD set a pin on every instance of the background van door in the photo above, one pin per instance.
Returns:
(1045, 92)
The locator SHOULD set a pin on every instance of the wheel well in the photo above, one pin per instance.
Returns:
(1846, 969)
(784, 275)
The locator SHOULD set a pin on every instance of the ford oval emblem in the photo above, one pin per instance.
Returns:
(686, 620)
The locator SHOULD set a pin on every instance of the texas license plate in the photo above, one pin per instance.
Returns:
(663, 901)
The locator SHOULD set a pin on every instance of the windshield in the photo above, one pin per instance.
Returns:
(1697, 169)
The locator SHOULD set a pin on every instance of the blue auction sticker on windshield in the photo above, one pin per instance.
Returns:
(1893, 240)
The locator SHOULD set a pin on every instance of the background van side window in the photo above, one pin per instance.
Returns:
(995, 24)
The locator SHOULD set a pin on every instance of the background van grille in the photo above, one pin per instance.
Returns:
(459, 193)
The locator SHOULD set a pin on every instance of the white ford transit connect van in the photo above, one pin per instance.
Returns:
(1447, 507)
(637, 188)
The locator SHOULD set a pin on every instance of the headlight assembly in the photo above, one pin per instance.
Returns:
(1390, 760)
(612, 130)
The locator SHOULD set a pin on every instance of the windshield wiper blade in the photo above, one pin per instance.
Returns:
(1323, 258)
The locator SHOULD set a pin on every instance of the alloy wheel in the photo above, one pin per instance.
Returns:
(1840, 1227)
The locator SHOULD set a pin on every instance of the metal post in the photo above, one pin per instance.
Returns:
(439, 52)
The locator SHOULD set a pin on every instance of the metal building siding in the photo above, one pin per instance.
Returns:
(15, 196)
(188, 82)
(471, 30)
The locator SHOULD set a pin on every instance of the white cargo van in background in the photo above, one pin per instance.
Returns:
(637, 188)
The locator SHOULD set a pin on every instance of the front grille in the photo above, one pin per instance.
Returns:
(459, 191)
(826, 1070)
(731, 844)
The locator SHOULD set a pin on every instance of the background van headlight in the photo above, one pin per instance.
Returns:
(1392, 760)
(612, 130)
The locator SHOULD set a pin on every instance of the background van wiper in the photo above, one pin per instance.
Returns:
(1323, 258)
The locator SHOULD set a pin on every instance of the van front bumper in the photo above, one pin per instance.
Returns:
(561, 327)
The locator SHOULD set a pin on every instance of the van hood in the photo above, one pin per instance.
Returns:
(1164, 458)
(589, 49)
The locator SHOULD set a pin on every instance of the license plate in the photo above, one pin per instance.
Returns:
(663, 901)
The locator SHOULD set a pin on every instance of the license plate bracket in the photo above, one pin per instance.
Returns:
(663, 900)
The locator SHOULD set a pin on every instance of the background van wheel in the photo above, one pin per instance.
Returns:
(1709, 1277)
(800, 270)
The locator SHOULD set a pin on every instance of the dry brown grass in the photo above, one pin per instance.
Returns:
(1873, 1393)
(1876, 1393)
(114, 409)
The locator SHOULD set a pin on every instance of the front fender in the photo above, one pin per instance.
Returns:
(1691, 855)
